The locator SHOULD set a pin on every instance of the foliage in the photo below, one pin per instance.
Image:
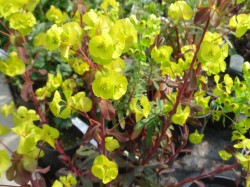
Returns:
(134, 71)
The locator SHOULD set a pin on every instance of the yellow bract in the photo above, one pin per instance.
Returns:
(104, 169)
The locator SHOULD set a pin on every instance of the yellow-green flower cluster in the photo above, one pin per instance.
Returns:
(19, 14)
(13, 65)
(212, 53)
(111, 85)
(104, 169)
(141, 107)
(179, 11)
(111, 144)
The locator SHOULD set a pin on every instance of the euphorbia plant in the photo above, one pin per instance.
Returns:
(133, 79)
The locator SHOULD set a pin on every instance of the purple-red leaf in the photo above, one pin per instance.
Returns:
(90, 134)
(43, 170)
(202, 15)
(107, 110)
(121, 137)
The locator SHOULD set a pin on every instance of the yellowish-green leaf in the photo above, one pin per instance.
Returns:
(195, 137)
(224, 155)
(4, 161)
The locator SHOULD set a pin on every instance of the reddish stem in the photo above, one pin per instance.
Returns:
(4, 33)
(6, 147)
(103, 135)
(177, 38)
(34, 99)
(66, 159)
(167, 122)
(218, 170)
(2, 23)
(181, 147)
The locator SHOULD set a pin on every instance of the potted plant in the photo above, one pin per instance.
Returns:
(138, 78)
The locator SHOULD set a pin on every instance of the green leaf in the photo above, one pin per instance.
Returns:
(54, 105)
(241, 157)
(49, 134)
(145, 105)
(239, 1)
(241, 30)
(224, 155)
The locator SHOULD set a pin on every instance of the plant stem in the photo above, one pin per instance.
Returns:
(178, 40)
(34, 99)
(167, 121)
(103, 135)
(4, 33)
(67, 159)
(181, 147)
(218, 170)
(6, 147)
(2, 23)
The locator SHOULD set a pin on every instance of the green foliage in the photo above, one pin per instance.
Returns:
(63, 109)
(240, 23)
(132, 70)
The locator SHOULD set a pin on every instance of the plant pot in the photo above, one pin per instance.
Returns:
(217, 181)
(199, 122)
(51, 156)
